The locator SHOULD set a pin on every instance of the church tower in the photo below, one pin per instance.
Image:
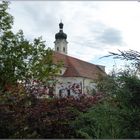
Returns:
(61, 40)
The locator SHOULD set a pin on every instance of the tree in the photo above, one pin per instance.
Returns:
(20, 59)
(6, 20)
(21, 62)
(130, 55)
(118, 116)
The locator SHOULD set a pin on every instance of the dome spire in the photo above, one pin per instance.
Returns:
(61, 40)
(61, 25)
(60, 34)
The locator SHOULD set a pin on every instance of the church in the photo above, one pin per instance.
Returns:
(76, 76)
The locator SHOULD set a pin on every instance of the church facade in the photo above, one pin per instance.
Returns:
(76, 76)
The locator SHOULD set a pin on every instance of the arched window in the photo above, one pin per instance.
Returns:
(63, 49)
(57, 48)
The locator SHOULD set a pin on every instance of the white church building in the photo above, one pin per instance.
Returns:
(76, 76)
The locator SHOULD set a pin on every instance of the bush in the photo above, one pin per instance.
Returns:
(118, 116)
(28, 117)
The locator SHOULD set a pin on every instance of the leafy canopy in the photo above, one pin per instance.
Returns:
(21, 59)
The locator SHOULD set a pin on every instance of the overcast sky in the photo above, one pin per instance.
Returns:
(93, 28)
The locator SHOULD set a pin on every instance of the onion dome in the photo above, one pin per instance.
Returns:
(60, 34)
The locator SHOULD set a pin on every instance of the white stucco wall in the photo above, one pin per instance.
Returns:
(89, 86)
(61, 43)
(66, 83)
(63, 69)
(76, 85)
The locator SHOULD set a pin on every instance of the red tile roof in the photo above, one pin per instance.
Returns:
(78, 68)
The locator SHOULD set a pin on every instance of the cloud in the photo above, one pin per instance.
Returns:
(99, 36)
(93, 28)
(110, 36)
(41, 15)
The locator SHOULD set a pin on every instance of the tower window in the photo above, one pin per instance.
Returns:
(63, 49)
(57, 48)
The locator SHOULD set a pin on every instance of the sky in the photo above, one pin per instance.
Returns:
(93, 28)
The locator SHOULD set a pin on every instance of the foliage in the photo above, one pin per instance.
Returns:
(98, 122)
(21, 62)
(46, 118)
(118, 116)
(127, 55)
(6, 20)
(104, 84)
(20, 59)
(130, 55)
(113, 114)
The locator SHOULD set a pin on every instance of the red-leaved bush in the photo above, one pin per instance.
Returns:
(24, 116)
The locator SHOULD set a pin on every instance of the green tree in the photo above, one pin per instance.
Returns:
(20, 59)
(118, 116)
